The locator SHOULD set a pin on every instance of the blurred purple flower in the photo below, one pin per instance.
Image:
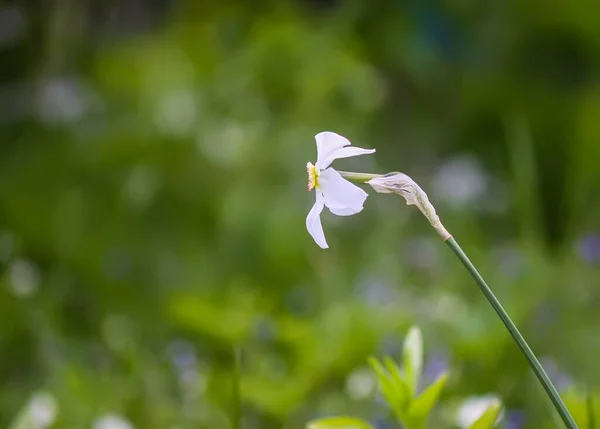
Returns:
(183, 354)
(184, 357)
(510, 262)
(382, 423)
(544, 316)
(390, 345)
(265, 329)
(436, 365)
(459, 182)
(423, 253)
(63, 100)
(375, 292)
(588, 248)
(515, 419)
(561, 380)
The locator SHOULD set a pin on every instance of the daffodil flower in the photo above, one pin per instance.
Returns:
(340, 196)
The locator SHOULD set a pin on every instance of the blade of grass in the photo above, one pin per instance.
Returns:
(236, 412)
(514, 332)
(591, 418)
(526, 176)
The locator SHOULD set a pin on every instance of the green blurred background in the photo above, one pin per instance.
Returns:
(153, 199)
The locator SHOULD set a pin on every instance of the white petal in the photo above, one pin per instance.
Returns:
(328, 143)
(313, 221)
(341, 197)
(347, 152)
(346, 211)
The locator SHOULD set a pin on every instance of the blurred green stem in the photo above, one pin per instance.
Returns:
(236, 415)
(590, 409)
(514, 332)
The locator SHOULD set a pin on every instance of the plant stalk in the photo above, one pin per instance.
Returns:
(236, 414)
(590, 409)
(514, 332)
(358, 177)
(401, 184)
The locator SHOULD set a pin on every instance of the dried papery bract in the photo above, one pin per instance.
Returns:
(401, 184)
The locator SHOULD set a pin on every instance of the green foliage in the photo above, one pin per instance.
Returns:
(153, 201)
(585, 408)
(339, 423)
(422, 405)
(392, 385)
(236, 410)
(399, 386)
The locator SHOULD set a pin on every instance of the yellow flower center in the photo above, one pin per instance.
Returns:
(313, 176)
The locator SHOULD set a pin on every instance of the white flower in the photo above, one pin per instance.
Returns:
(340, 196)
(111, 421)
(43, 409)
(473, 408)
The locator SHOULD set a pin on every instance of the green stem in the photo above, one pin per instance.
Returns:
(358, 177)
(236, 416)
(514, 332)
(590, 410)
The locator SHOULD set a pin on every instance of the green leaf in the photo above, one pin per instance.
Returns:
(339, 423)
(386, 384)
(489, 417)
(422, 406)
(401, 389)
(589, 404)
(236, 412)
(392, 387)
(413, 358)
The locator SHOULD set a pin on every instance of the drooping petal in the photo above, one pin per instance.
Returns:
(341, 197)
(313, 221)
(347, 152)
(327, 143)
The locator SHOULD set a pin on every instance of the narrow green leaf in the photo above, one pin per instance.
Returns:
(422, 406)
(395, 394)
(413, 358)
(236, 412)
(339, 423)
(403, 395)
(489, 417)
(589, 402)
(386, 386)
(393, 369)
(377, 367)
(382, 375)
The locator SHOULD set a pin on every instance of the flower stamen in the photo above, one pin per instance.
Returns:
(313, 176)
